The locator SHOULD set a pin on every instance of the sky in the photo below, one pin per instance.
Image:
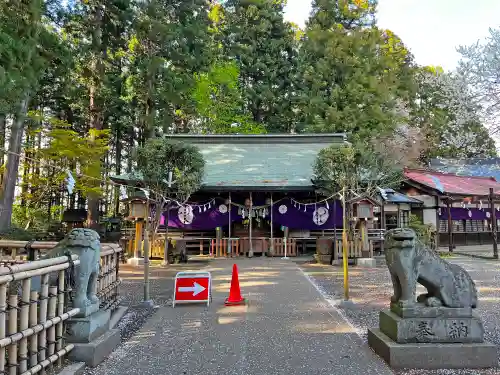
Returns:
(431, 29)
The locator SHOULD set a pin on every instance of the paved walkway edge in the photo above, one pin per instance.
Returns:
(332, 303)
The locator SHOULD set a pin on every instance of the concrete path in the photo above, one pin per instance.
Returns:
(287, 328)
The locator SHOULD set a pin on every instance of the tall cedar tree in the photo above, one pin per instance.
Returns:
(25, 43)
(97, 30)
(257, 37)
(170, 43)
(352, 74)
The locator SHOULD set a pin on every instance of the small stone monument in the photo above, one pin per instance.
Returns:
(438, 329)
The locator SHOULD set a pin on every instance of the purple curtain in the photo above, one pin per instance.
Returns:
(459, 213)
(302, 217)
(202, 220)
(293, 216)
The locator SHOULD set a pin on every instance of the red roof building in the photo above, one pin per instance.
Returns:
(457, 206)
(451, 184)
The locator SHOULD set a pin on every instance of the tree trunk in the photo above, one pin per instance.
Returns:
(11, 169)
(93, 199)
(118, 169)
(26, 171)
(3, 122)
(96, 115)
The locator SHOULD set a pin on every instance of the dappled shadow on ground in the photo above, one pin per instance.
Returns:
(284, 328)
(371, 289)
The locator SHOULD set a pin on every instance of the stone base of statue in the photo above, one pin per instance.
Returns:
(93, 338)
(366, 262)
(432, 338)
(135, 262)
(88, 328)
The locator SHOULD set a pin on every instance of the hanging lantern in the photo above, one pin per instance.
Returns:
(204, 208)
(209, 205)
(305, 208)
(199, 209)
(327, 206)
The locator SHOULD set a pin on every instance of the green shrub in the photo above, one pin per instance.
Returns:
(425, 232)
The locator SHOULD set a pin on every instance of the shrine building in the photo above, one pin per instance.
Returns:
(258, 196)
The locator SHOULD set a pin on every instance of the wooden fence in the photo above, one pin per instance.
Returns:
(354, 249)
(220, 248)
(278, 248)
(32, 315)
(109, 280)
(239, 246)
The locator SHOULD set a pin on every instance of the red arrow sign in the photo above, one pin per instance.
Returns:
(194, 288)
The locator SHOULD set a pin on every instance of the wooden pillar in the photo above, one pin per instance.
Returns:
(139, 224)
(438, 221)
(229, 242)
(365, 246)
(166, 245)
(398, 220)
(250, 249)
(450, 226)
(218, 250)
(494, 229)
(334, 244)
(272, 225)
(382, 226)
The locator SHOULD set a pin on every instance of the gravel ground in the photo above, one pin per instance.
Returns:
(371, 289)
(132, 291)
(285, 327)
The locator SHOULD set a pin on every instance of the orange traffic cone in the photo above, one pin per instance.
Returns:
(235, 297)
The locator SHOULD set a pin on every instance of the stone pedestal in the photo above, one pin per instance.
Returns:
(98, 350)
(323, 259)
(135, 261)
(451, 329)
(432, 356)
(92, 337)
(366, 262)
(432, 338)
(88, 328)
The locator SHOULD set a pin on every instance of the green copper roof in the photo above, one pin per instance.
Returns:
(259, 162)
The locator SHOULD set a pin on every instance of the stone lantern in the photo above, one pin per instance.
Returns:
(137, 205)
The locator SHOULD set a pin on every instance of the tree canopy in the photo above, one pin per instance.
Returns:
(113, 75)
(352, 74)
(448, 117)
(360, 169)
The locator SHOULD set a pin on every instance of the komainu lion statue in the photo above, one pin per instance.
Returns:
(409, 262)
(86, 244)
